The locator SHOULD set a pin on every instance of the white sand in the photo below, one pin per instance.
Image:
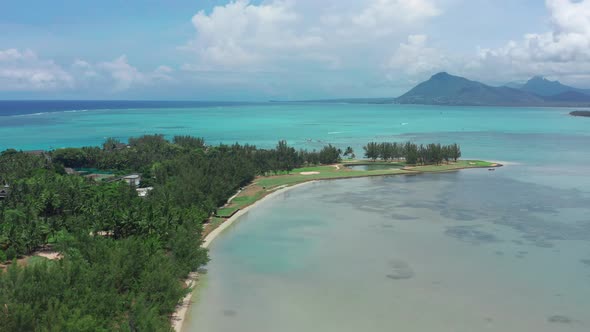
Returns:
(51, 255)
(181, 310)
(309, 173)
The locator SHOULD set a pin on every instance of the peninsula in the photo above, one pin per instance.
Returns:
(580, 113)
(138, 212)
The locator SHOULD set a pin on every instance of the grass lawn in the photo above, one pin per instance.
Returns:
(369, 162)
(325, 172)
(453, 166)
(227, 212)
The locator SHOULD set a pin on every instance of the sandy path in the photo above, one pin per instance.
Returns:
(51, 255)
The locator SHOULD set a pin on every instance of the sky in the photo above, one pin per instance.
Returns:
(282, 49)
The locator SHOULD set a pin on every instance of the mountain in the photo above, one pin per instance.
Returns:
(446, 89)
(544, 87)
(515, 84)
(569, 96)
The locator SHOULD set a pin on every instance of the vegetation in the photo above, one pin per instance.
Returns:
(412, 153)
(349, 152)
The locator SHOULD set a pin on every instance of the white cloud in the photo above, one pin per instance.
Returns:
(118, 75)
(383, 15)
(564, 51)
(416, 59)
(244, 36)
(23, 70)
(241, 34)
(123, 74)
(82, 69)
(163, 73)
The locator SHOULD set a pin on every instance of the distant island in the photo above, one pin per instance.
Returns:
(581, 113)
(446, 89)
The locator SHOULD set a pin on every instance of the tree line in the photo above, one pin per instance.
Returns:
(412, 153)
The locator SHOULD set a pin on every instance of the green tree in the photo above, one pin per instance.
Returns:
(372, 150)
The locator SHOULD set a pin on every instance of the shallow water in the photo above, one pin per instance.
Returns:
(441, 252)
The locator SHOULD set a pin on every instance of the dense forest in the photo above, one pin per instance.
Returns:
(123, 257)
(412, 153)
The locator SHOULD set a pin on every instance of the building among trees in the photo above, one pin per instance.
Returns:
(4, 191)
(133, 179)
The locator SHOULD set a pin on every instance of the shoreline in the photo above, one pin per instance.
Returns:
(179, 316)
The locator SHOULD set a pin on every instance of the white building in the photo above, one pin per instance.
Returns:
(133, 179)
(142, 192)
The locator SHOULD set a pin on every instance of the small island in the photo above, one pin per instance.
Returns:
(580, 113)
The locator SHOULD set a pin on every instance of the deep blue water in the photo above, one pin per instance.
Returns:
(21, 107)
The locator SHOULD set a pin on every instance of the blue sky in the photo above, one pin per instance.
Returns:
(282, 49)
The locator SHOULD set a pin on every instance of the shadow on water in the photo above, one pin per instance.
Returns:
(471, 234)
(540, 218)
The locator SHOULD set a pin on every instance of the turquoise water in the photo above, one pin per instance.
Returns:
(542, 140)
(468, 251)
(479, 130)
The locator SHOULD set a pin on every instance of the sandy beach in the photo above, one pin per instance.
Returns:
(179, 315)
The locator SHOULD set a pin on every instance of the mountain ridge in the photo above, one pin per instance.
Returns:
(446, 89)
(541, 86)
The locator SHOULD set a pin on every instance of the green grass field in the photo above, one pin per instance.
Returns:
(227, 212)
(453, 166)
(325, 172)
(353, 162)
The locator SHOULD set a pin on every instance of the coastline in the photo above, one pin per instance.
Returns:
(179, 316)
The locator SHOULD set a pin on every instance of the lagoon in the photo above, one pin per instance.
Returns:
(464, 251)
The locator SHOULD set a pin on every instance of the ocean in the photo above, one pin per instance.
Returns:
(473, 250)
